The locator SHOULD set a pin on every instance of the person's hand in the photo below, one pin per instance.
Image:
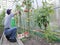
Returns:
(19, 12)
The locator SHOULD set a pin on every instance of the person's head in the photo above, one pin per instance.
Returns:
(8, 11)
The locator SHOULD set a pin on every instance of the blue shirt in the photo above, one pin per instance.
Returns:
(7, 20)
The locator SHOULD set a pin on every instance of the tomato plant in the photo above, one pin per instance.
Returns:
(43, 15)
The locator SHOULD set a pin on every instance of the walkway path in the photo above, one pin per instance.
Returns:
(4, 41)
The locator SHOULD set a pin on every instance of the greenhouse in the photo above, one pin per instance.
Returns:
(37, 22)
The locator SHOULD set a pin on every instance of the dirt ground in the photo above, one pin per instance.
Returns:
(36, 41)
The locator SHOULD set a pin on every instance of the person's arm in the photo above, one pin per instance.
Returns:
(17, 12)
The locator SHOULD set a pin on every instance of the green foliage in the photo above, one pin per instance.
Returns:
(2, 14)
(43, 18)
(27, 3)
(51, 36)
(18, 7)
(44, 15)
(48, 35)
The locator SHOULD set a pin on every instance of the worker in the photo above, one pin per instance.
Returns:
(10, 32)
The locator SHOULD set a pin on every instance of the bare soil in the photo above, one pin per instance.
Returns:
(38, 41)
(35, 41)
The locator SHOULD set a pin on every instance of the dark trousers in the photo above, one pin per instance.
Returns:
(11, 32)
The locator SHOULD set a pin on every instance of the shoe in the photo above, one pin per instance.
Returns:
(13, 40)
(7, 37)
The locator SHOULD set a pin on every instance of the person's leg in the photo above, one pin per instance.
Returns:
(11, 32)
(7, 33)
(13, 35)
